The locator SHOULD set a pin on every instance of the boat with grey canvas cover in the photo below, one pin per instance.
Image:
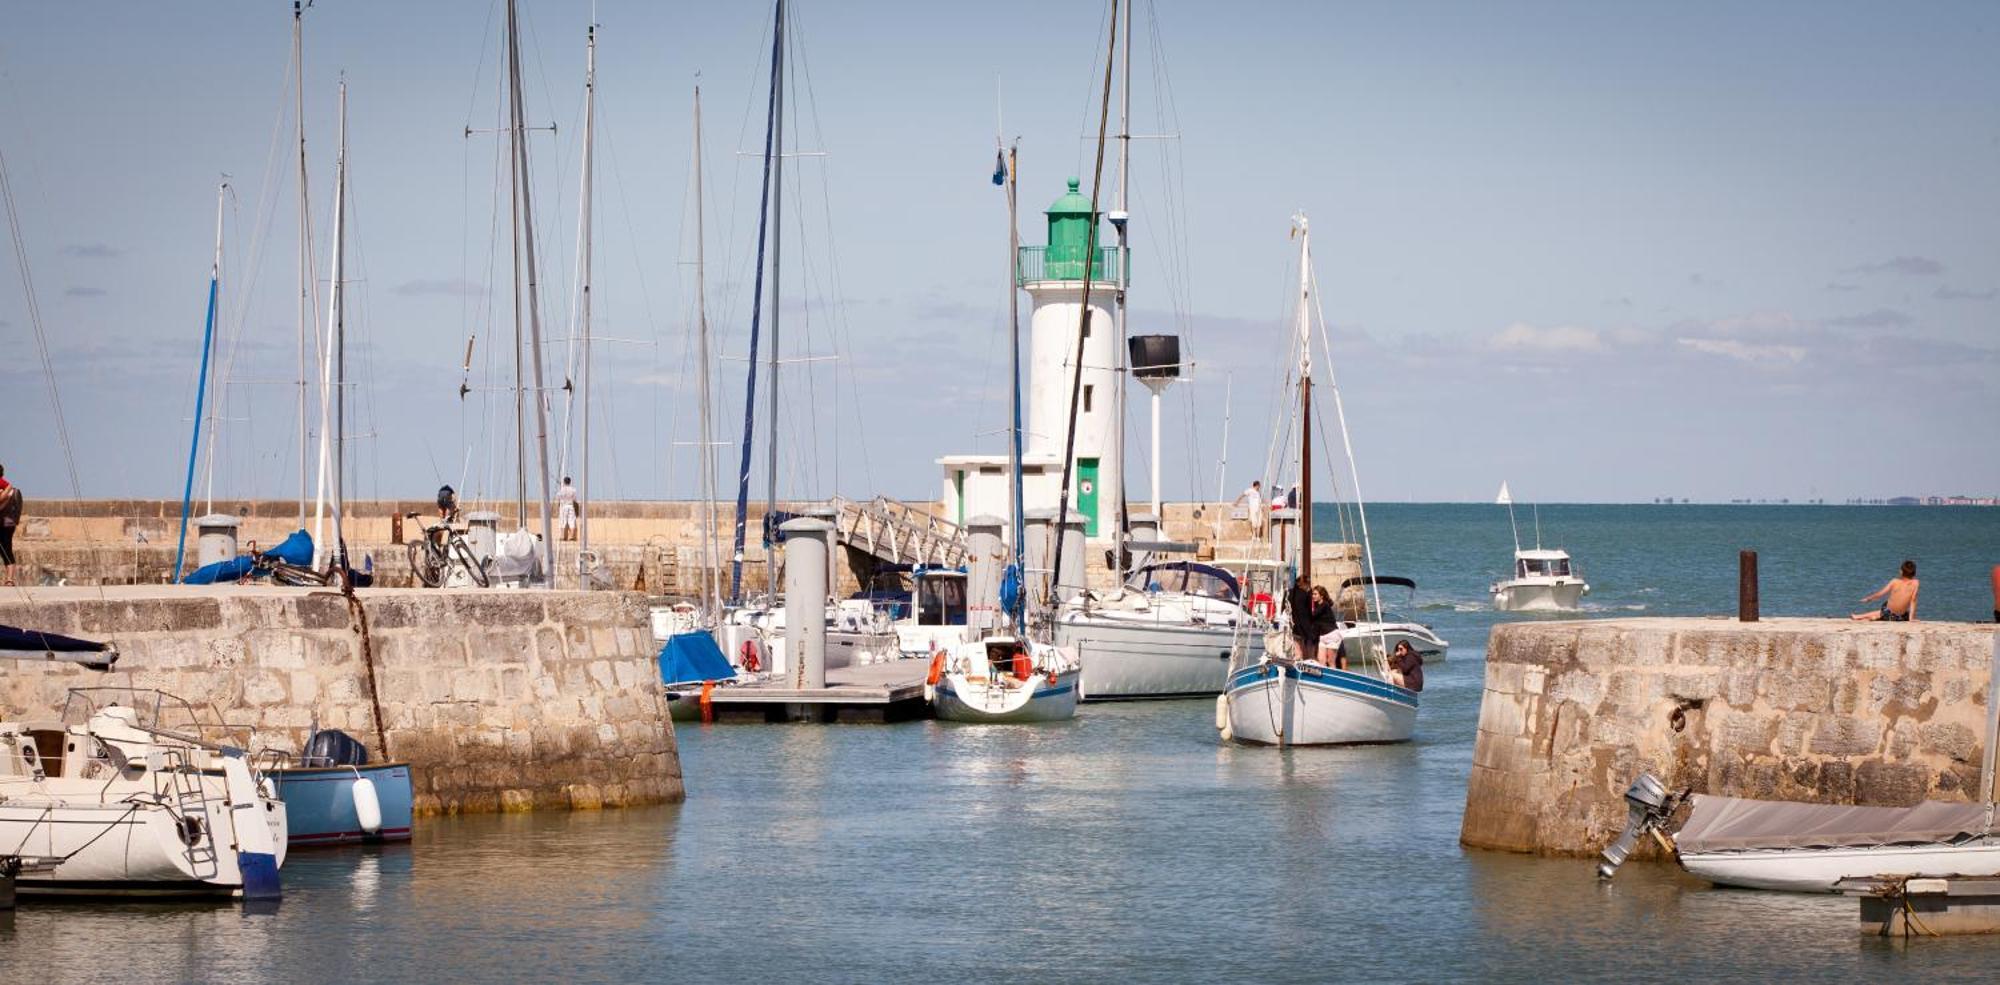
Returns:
(1807, 848)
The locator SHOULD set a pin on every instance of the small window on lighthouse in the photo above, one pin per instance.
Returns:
(1087, 389)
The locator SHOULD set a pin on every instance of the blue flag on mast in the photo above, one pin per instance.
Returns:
(999, 167)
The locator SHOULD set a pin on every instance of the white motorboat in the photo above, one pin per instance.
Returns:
(1370, 639)
(1003, 679)
(115, 805)
(1286, 701)
(1796, 847)
(1544, 580)
(1172, 631)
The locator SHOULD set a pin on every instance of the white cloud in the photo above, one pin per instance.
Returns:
(1749, 352)
(1523, 337)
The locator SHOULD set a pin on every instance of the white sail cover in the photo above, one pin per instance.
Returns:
(1736, 824)
(1505, 498)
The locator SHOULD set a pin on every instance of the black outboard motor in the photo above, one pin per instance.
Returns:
(332, 747)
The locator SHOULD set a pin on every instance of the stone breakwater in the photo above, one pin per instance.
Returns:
(1790, 709)
(499, 700)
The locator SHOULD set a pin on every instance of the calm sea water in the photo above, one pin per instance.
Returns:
(1125, 845)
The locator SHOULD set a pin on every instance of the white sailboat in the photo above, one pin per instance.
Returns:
(1286, 701)
(1005, 676)
(1149, 638)
(1543, 579)
(116, 805)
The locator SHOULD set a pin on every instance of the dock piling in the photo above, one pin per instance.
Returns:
(1746, 586)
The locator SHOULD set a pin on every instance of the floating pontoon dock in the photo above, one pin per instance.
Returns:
(884, 692)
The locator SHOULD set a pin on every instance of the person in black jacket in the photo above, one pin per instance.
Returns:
(1299, 602)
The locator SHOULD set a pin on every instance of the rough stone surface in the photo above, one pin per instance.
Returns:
(1828, 711)
(490, 696)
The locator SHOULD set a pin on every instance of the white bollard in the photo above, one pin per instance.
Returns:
(805, 599)
(215, 539)
(986, 563)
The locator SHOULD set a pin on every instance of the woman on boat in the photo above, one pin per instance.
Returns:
(1299, 603)
(1326, 625)
(1406, 667)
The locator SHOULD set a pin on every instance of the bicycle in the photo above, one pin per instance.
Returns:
(442, 547)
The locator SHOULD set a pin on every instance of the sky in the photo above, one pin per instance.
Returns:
(1605, 252)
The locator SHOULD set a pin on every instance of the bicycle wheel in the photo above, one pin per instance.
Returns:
(424, 566)
(462, 552)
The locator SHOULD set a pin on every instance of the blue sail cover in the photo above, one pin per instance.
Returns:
(691, 658)
(295, 550)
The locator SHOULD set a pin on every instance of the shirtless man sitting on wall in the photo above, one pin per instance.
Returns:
(1899, 598)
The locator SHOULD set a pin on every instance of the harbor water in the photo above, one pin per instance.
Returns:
(1128, 844)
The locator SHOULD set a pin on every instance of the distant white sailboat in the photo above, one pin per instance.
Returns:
(1544, 580)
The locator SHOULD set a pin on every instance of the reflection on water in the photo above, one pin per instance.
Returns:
(1126, 844)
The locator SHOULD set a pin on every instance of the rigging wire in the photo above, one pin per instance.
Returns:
(41, 334)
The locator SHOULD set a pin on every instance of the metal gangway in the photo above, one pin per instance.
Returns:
(897, 533)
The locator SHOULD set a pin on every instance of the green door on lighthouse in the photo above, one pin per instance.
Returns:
(1086, 494)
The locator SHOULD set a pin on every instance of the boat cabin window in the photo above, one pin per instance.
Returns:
(1190, 579)
(1529, 567)
(941, 601)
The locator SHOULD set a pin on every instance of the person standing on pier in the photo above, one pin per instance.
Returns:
(1996, 593)
(1252, 504)
(566, 509)
(10, 518)
(1899, 598)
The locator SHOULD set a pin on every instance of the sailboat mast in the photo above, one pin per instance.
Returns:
(1305, 401)
(583, 246)
(777, 290)
(1015, 612)
(201, 381)
(525, 270)
(711, 589)
(1120, 219)
(756, 319)
(337, 338)
(305, 244)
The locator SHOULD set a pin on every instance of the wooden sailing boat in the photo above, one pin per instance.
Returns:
(1286, 701)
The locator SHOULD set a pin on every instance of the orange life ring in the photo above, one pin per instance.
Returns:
(750, 661)
(937, 669)
(1262, 604)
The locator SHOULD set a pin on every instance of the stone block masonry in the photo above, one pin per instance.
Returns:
(499, 700)
(1790, 709)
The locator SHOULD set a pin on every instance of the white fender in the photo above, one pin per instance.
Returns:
(1222, 712)
(367, 805)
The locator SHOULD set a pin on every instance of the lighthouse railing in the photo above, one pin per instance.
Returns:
(1044, 263)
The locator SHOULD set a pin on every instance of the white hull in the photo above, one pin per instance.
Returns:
(1539, 595)
(959, 698)
(117, 848)
(1125, 659)
(1815, 870)
(1280, 703)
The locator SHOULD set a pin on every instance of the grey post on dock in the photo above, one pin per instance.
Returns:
(985, 560)
(806, 551)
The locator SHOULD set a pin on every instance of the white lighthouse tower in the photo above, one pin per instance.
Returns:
(1053, 276)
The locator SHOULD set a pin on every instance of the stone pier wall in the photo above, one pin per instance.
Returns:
(649, 546)
(499, 700)
(1791, 709)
